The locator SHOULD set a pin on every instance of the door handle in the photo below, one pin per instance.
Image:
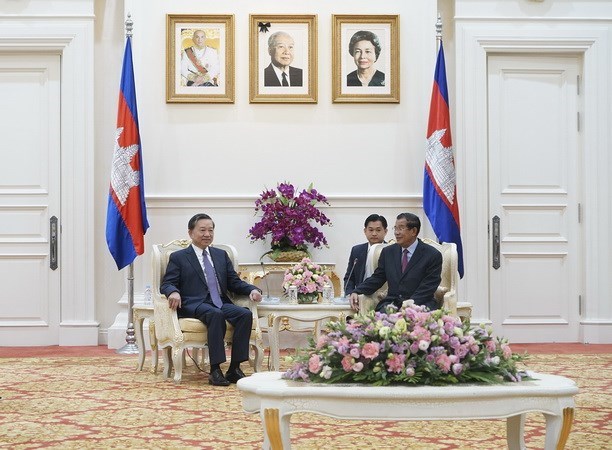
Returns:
(496, 238)
(53, 243)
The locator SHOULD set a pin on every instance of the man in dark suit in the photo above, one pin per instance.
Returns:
(280, 72)
(411, 268)
(375, 230)
(196, 283)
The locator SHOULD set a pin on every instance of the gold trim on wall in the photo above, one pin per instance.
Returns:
(219, 30)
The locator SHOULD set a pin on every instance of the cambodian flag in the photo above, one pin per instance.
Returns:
(439, 184)
(126, 216)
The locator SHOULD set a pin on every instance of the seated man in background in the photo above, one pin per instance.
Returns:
(375, 230)
(411, 268)
(196, 284)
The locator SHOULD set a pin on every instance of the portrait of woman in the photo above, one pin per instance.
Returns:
(365, 48)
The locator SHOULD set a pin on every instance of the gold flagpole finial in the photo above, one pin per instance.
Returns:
(129, 24)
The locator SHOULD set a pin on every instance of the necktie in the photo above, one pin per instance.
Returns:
(404, 259)
(285, 82)
(211, 280)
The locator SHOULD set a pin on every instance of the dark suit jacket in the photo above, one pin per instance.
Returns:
(270, 78)
(378, 79)
(184, 275)
(419, 282)
(358, 253)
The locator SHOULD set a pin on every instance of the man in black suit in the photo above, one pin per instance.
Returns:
(375, 230)
(280, 72)
(411, 268)
(196, 283)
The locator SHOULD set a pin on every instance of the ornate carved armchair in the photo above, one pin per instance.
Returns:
(174, 335)
(446, 294)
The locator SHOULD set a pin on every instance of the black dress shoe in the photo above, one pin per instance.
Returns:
(234, 375)
(216, 378)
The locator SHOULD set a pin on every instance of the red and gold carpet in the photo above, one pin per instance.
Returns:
(89, 398)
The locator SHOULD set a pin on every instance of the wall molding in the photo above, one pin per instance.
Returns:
(231, 201)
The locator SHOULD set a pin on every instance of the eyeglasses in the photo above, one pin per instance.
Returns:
(403, 228)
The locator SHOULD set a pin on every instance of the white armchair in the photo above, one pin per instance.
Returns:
(446, 294)
(174, 335)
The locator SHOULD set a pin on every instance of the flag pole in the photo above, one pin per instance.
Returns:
(438, 32)
(130, 348)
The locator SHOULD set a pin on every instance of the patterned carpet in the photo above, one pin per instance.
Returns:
(99, 402)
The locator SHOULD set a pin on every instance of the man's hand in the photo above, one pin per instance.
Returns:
(174, 301)
(354, 300)
(255, 295)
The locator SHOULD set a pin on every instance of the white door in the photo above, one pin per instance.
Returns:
(534, 160)
(29, 198)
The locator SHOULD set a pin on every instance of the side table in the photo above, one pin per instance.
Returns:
(140, 313)
(303, 313)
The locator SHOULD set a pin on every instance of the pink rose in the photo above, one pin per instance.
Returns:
(507, 352)
(396, 362)
(443, 362)
(358, 367)
(347, 363)
(314, 363)
(370, 350)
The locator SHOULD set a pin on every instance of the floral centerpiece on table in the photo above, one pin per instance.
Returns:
(286, 219)
(308, 278)
(409, 346)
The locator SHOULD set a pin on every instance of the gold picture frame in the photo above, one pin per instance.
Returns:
(365, 59)
(287, 74)
(203, 71)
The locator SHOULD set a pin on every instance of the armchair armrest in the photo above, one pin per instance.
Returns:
(167, 328)
(367, 303)
(450, 302)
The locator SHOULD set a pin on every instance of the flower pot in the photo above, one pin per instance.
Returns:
(308, 298)
(292, 255)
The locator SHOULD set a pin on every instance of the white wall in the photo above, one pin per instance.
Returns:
(217, 158)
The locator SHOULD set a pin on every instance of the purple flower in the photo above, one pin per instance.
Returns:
(287, 218)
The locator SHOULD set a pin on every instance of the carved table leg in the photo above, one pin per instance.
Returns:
(277, 435)
(138, 320)
(274, 341)
(515, 432)
(558, 429)
(153, 341)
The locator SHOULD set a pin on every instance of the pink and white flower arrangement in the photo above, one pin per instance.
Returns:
(307, 276)
(410, 346)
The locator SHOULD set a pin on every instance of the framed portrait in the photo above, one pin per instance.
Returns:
(365, 59)
(283, 59)
(199, 58)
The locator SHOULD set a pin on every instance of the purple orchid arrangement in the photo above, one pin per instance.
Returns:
(286, 218)
(409, 346)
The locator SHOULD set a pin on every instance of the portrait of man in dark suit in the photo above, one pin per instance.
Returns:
(375, 230)
(196, 283)
(411, 268)
(279, 72)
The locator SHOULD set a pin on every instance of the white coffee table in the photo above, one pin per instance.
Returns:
(300, 312)
(276, 400)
